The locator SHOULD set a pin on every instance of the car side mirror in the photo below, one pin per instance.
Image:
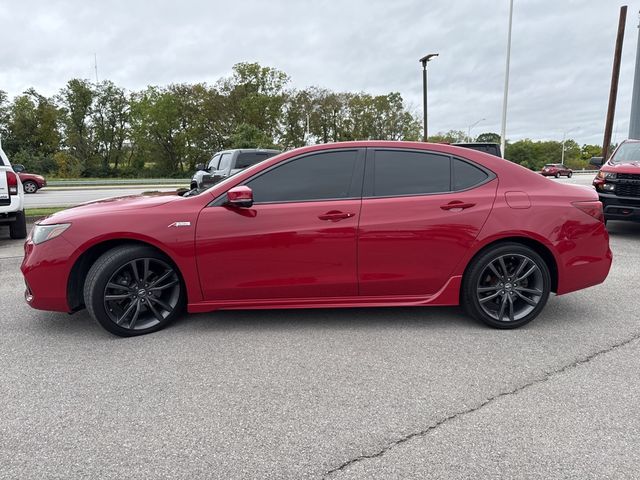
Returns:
(200, 166)
(205, 181)
(18, 168)
(596, 161)
(240, 196)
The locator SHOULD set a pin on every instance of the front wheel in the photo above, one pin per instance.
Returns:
(557, 175)
(133, 290)
(30, 187)
(507, 286)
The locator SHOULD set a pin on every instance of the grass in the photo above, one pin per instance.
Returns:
(42, 212)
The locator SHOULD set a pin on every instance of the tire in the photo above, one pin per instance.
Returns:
(508, 291)
(557, 175)
(569, 175)
(128, 307)
(18, 228)
(30, 187)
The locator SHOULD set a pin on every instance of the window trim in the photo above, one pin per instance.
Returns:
(369, 176)
(355, 189)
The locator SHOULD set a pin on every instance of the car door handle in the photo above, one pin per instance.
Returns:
(335, 216)
(457, 205)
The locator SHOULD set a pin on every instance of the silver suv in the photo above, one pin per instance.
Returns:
(11, 199)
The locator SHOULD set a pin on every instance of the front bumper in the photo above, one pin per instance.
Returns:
(620, 208)
(46, 268)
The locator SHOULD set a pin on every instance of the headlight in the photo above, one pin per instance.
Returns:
(606, 175)
(42, 233)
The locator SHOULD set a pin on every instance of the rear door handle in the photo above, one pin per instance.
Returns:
(457, 205)
(335, 216)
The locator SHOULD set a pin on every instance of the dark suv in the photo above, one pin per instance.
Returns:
(227, 163)
(618, 182)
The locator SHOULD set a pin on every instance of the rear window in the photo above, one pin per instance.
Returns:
(251, 158)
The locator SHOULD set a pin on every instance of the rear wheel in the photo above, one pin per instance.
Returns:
(569, 175)
(30, 187)
(18, 228)
(557, 175)
(507, 286)
(133, 290)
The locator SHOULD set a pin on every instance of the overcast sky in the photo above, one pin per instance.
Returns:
(560, 65)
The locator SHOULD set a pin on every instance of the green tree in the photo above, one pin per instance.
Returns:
(488, 137)
(452, 136)
(76, 100)
(110, 119)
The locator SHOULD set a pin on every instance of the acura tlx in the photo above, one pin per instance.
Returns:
(356, 224)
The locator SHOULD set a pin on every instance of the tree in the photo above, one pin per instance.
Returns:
(488, 137)
(76, 100)
(110, 118)
(452, 136)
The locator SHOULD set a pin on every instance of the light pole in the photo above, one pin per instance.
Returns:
(424, 60)
(503, 131)
(471, 126)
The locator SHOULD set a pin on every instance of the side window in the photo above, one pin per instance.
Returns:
(399, 172)
(466, 175)
(326, 175)
(247, 159)
(213, 164)
(225, 161)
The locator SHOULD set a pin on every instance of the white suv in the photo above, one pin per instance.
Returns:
(11, 199)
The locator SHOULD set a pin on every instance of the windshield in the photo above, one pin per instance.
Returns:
(627, 153)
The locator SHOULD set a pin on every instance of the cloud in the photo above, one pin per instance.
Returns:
(560, 70)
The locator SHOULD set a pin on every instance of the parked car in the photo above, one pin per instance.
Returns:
(11, 199)
(355, 224)
(30, 181)
(555, 170)
(490, 148)
(227, 163)
(618, 182)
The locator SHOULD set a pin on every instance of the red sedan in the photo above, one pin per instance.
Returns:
(355, 224)
(30, 181)
(556, 170)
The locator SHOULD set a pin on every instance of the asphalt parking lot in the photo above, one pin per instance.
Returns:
(345, 394)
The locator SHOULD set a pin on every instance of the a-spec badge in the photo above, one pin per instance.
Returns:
(180, 224)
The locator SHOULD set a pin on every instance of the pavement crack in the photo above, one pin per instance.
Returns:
(421, 433)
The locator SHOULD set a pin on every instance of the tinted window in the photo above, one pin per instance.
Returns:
(314, 177)
(213, 164)
(247, 159)
(225, 161)
(466, 175)
(406, 173)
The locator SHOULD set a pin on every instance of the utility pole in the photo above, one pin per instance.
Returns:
(503, 131)
(615, 75)
(424, 60)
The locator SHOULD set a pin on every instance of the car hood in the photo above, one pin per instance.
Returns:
(627, 167)
(111, 205)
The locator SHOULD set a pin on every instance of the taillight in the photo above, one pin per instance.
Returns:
(12, 182)
(593, 208)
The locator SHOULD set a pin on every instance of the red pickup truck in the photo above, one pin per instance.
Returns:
(618, 182)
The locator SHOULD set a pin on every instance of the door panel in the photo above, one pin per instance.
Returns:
(280, 250)
(410, 245)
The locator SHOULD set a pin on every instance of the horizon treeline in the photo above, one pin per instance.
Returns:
(100, 129)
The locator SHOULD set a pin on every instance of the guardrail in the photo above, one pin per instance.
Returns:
(118, 182)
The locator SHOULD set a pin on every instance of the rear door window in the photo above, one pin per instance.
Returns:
(397, 172)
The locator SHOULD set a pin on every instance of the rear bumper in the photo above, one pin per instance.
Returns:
(7, 218)
(620, 208)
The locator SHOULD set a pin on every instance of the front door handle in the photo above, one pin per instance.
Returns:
(457, 205)
(335, 216)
